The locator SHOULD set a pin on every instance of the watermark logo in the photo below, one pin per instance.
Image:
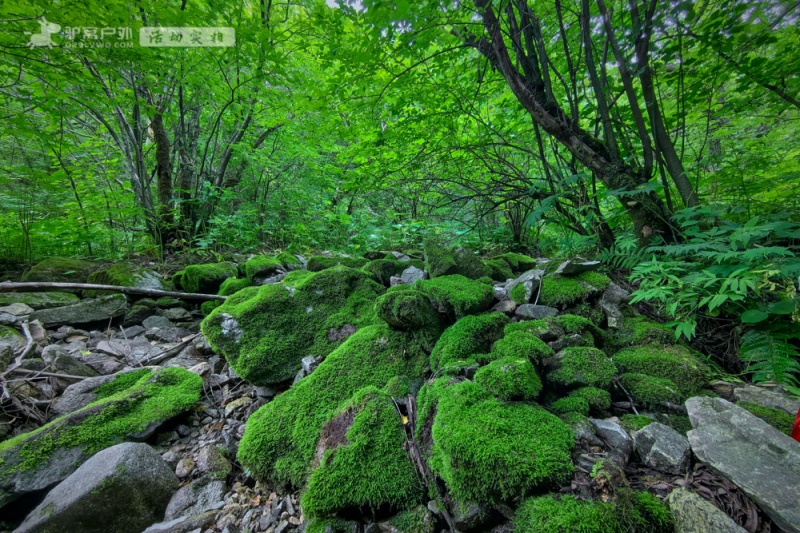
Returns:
(43, 38)
(187, 36)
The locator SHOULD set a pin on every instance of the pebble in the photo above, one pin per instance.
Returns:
(185, 467)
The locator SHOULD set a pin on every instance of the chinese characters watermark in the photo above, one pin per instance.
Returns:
(152, 36)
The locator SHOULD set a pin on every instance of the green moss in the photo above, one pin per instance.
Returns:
(123, 275)
(570, 404)
(441, 260)
(296, 277)
(674, 362)
(332, 525)
(370, 469)
(208, 306)
(265, 331)
(649, 391)
(776, 418)
(518, 262)
(679, 423)
(563, 291)
(634, 511)
(124, 381)
(518, 343)
(583, 366)
(289, 261)
(118, 413)
(280, 438)
(580, 325)
(544, 329)
(633, 422)
(456, 295)
(319, 262)
(489, 451)
(519, 294)
(598, 399)
(38, 300)
(500, 269)
(510, 378)
(638, 331)
(417, 520)
(233, 285)
(470, 335)
(406, 308)
(261, 266)
(206, 279)
(382, 270)
(60, 269)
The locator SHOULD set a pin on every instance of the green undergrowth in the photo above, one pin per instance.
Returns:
(373, 447)
(265, 331)
(487, 450)
(456, 295)
(280, 438)
(470, 335)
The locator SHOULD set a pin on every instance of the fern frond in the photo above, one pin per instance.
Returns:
(770, 358)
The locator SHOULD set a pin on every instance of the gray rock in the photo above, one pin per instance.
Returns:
(66, 364)
(767, 398)
(616, 295)
(615, 437)
(84, 312)
(530, 280)
(19, 311)
(758, 458)
(11, 344)
(662, 448)
(80, 394)
(197, 497)
(613, 297)
(132, 331)
(535, 311)
(500, 292)
(185, 524)
(412, 274)
(394, 281)
(570, 267)
(176, 313)
(507, 307)
(211, 460)
(103, 364)
(39, 300)
(694, 514)
(157, 322)
(469, 516)
(124, 488)
(309, 363)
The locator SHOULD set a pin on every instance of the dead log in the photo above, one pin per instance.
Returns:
(9, 286)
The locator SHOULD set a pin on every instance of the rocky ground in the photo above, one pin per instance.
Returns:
(104, 369)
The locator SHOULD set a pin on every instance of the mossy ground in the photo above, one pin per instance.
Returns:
(650, 392)
(563, 291)
(776, 418)
(673, 362)
(520, 343)
(583, 366)
(517, 262)
(470, 335)
(124, 407)
(510, 378)
(373, 447)
(265, 331)
(319, 262)
(206, 278)
(456, 295)
(638, 331)
(281, 437)
(486, 450)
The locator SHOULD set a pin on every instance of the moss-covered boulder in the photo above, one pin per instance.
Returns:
(320, 262)
(598, 399)
(521, 343)
(206, 279)
(581, 366)
(469, 336)
(264, 332)
(404, 307)
(363, 465)
(488, 451)
(776, 418)
(570, 404)
(517, 262)
(125, 275)
(674, 362)
(649, 391)
(289, 261)
(456, 295)
(11, 344)
(563, 291)
(86, 311)
(382, 270)
(638, 331)
(260, 266)
(500, 271)
(60, 269)
(128, 408)
(441, 260)
(232, 286)
(510, 378)
(281, 437)
(38, 300)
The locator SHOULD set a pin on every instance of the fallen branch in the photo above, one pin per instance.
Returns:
(9, 286)
(37, 373)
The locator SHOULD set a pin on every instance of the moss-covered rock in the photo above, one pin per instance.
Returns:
(206, 279)
(441, 260)
(417, 520)
(264, 332)
(510, 378)
(382, 270)
(598, 399)
(207, 306)
(633, 423)
(649, 391)
(320, 262)
(261, 266)
(456, 295)
(38, 300)
(500, 271)
(60, 269)
(640, 511)
(406, 308)
(280, 438)
(332, 525)
(11, 345)
(289, 261)
(776, 418)
(674, 362)
(129, 408)
(489, 451)
(581, 366)
(638, 331)
(563, 291)
(234, 285)
(363, 464)
(570, 404)
(124, 275)
(470, 335)
(517, 262)
(521, 343)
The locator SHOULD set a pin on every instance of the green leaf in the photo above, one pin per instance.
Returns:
(784, 307)
(754, 316)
